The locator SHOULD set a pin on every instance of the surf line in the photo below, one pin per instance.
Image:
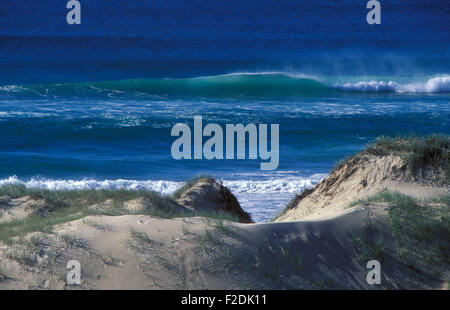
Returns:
(213, 148)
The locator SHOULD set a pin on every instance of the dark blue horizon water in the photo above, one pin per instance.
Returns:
(92, 105)
(160, 38)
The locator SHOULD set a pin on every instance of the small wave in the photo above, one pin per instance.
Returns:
(276, 185)
(15, 114)
(161, 186)
(372, 86)
(11, 88)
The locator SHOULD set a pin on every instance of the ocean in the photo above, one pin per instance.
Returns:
(92, 105)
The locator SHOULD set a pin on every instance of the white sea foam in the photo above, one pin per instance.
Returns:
(275, 185)
(162, 186)
(439, 84)
(11, 88)
(370, 86)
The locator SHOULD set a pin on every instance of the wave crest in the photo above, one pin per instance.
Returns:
(233, 85)
(439, 84)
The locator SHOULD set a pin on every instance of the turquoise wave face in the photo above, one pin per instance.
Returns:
(224, 86)
(230, 86)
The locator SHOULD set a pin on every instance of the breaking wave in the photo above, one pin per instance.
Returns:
(235, 85)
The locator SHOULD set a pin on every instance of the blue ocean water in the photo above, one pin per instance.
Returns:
(92, 105)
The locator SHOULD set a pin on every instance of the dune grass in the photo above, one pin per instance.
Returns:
(369, 249)
(417, 152)
(421, 228)
(140, 237)
(63, 206)
(37, 223)
(58, 199)
(68, 205)
(188, 184)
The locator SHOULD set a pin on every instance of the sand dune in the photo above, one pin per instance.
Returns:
(144, 252)
(369, 207)
(360, 177)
